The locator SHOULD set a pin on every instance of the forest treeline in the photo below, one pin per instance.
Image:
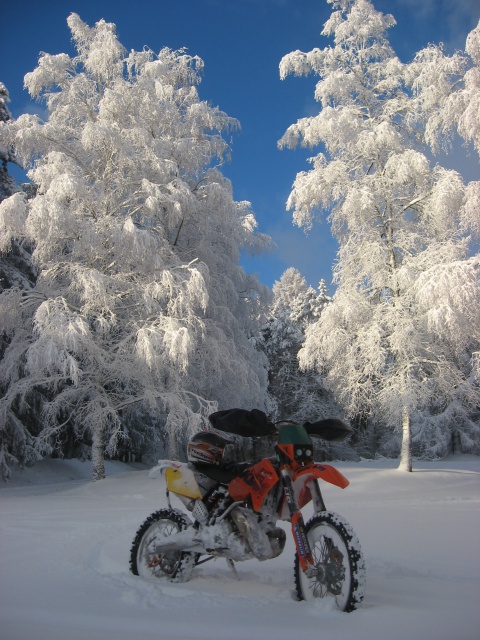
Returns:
(126, 317)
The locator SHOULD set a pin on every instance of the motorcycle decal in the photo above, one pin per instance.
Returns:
(254, 483)
(182, 482)
(301, 542)
(304, 495)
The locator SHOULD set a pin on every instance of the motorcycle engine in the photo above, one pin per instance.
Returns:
(263, 544)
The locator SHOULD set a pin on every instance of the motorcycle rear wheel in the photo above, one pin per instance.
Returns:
(338, 560)
(146, 559)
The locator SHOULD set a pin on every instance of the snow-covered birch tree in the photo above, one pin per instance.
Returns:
(447, 93)
(447, 96)
(395, 341)
(140, 316)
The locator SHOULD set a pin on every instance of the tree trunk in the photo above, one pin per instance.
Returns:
(98, 459)
(173, 451)
(406, 452)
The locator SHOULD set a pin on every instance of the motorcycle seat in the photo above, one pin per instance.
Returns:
(223, 474)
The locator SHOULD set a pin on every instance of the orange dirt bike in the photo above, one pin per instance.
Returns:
(235, 508)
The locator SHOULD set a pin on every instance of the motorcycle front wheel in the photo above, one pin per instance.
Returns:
(339, 570)
(146, 558)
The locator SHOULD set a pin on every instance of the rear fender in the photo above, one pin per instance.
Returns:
(160, 468)
(179, 478)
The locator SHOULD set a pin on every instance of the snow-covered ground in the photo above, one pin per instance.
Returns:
(65, 541)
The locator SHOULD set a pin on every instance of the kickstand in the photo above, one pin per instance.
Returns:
(232, 567)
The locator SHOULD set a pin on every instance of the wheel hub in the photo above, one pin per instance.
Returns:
(162, 562)
(329, 572)
(334, 572)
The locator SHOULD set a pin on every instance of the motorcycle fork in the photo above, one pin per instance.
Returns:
(298, 525)
(317, 498)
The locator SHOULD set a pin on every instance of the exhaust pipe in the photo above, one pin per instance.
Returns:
(181, 541)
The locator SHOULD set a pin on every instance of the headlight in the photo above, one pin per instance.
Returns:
(303, 453)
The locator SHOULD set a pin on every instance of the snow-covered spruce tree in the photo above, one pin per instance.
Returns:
(16, 270)
(299, 395)
(7, 183)
(15, 252)
(295, 305)
(395, 341)
(136, 328)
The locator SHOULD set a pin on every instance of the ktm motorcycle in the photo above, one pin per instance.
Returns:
(234, 509)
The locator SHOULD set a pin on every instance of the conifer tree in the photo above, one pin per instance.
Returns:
(295, 306)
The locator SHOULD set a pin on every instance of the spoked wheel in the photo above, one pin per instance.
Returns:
(146, 558)
(339, 570)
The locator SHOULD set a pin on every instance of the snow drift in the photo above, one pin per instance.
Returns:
(65, 549)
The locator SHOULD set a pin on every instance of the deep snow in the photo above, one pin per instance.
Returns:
(65, 545)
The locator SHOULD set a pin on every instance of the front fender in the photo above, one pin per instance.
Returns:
(322, 471)
(302, 479)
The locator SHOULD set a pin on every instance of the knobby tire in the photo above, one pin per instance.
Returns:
(146, 559)
(339, 560)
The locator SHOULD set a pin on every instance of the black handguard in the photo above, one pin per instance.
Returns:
(331, 429)
(240, 422)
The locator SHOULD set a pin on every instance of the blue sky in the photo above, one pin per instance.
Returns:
(241, 43)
